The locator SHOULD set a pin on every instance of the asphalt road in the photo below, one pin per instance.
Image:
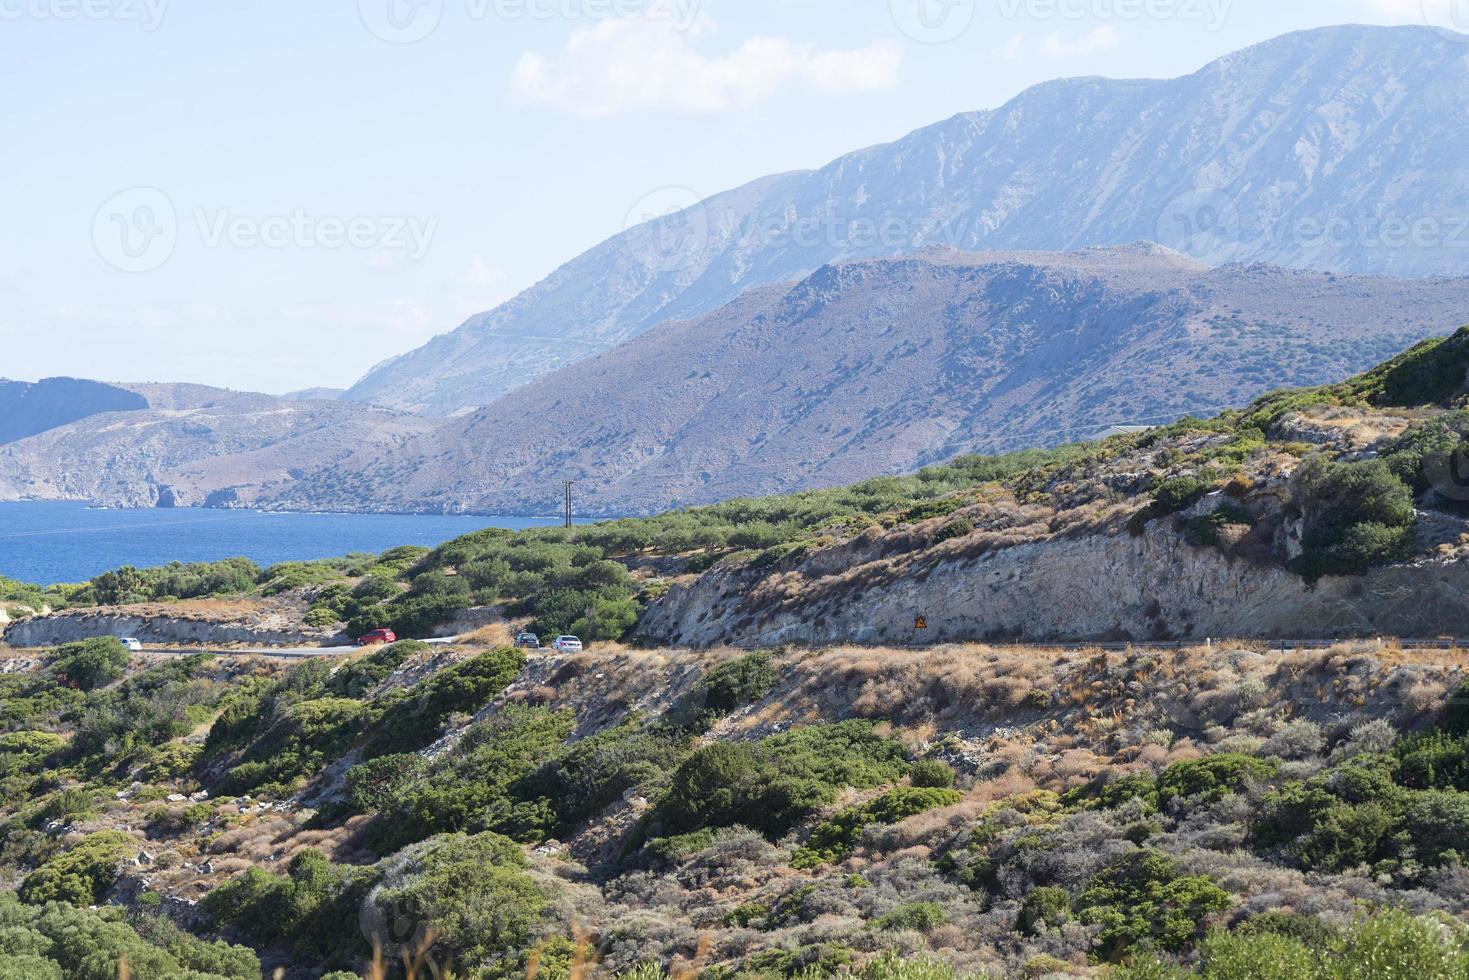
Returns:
(1275, 647)
(273, 653)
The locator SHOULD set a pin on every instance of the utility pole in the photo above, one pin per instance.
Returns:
(569, 485)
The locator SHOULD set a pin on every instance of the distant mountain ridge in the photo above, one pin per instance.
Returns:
(886, 365)
(860, 369)
(28, 408)
(1342, 149)
(187, 445)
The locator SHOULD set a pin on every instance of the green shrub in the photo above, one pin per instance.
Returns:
(892, 966)
(831, 841)
(1211, 777)
(412, 719)
(475, 892)
(584, 778)
(311, 909)
(733, 685)
(89, 664)
(1203, 530)
(725, 688)
(1434, 760)
(772, 785)
(932, 774)
(1044, 908)
(959, 527)
(479, 786)
(916, 916)
(1141, 899)
(300, 740)
(1305, 929)
(355, 680)
(1357, 515)
(380, 783)
(1260, 956)
(80, 874)
(1397, 946)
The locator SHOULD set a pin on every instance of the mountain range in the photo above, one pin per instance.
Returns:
(860, 369)
(968, 288)
(887, 365)
(1343, 149)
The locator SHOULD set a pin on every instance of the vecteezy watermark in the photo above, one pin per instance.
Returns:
(933, 21)
(1453, 14)
(1448, 473)
(137, 230)
(1203, 222)
(669, 229)
(147, 14)
(410, 21)
(301, 229)
(1390, 231)
(1212, 14)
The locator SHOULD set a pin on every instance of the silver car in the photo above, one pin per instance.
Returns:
(567, 644)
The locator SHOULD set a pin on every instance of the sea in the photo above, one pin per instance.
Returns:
(46, 542)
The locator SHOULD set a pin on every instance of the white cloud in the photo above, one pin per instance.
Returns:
(1013, 47)
(631, 64)
(1097, 40)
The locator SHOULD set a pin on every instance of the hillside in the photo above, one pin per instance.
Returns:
(971, 811)
(191, 445)
(1279, 151)
(27, 409)
(829, 802)
(886, 366)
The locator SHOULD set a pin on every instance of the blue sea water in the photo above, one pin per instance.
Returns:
(45, 542)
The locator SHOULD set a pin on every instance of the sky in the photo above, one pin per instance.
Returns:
(272, 195)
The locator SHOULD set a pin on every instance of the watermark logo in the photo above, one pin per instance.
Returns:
(1439, 232)
(401, 21)
(1203, 223)
(410, 21)
(147, 14)
(1453, 14)
(1448, 474)
(933, 21)
(669, 229)
(300, 229)
(136, 230)
(1212, 14)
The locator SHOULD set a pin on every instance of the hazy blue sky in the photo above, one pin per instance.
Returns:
(273, 194)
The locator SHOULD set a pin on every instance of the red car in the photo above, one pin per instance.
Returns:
(376, 637)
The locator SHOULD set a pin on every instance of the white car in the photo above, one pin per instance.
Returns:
(132, 643)
(567, 644)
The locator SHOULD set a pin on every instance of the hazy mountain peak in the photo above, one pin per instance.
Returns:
(1275, 153)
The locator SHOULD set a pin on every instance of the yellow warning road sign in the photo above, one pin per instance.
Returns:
(920, 623)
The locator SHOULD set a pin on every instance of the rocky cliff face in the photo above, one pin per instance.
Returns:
(1275, 153)
(1101, 586)
(249, 623)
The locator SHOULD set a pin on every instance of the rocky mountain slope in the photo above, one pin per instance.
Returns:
(1275, 153)
(1313, 514)
(27, 409)
(888, 365)
(190, 445)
